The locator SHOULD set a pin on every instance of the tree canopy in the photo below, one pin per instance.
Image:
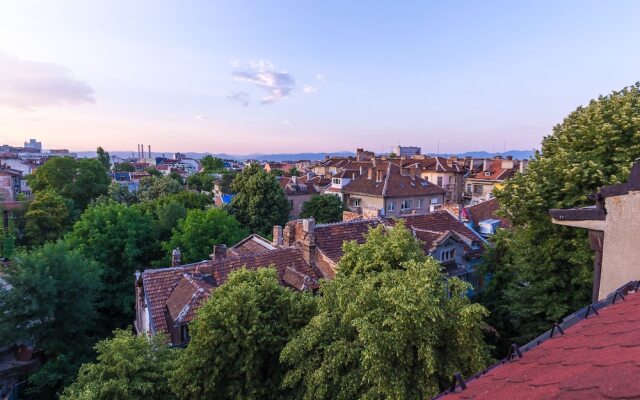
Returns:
(47, 217)
(546, 268)
(211, 164)
(79, 180)
(259, 202)
(154, 187)
(52, 300)
(323, 208)
(104, 158)
(237, 337)
(389, 326)
(132, 367)
(124, 167)
(122, 239)
(200, 230)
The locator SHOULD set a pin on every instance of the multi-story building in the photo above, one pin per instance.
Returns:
(479, 185)
(446, 173)
(392, 190)
(407, 151)
(297, 192)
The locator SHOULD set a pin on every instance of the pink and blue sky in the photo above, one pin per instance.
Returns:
(291, 76)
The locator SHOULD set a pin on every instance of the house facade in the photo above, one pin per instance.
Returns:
(479, 185)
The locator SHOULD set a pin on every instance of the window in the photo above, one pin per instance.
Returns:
(491, 195)
(469, 188)
(291, 204)
(477, 189)
(440, 181)
(356, 203)
(336, 181)
(391, 206)
(447, 255)
(184, 333)
(405, 205)
(420, 201)
(435, 200)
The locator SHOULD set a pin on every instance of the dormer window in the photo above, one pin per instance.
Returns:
(447, 255)
(336, 181)
(487, 173)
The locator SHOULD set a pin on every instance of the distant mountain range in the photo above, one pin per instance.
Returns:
(517, 154)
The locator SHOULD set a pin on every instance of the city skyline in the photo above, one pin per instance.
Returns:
(244, 78)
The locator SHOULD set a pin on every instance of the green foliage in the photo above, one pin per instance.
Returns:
(383, 250)
(47, 218)
(152, 171)
(200, 230)
(104, 158)
(52, 301)
(226, 180)
(386, 327)
(202, 181)
(122, 239)
(237, 338)
(153, 187)
(259, 203)
(550, 266)
(393, 155)
(124, 167)
(323, 208)
(121, 194)
(168, 215)
(188, 200)
(79, 180)
(128, 367)
(212, 164)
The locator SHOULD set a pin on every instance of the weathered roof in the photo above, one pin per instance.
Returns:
(494, 172)
(252, 244)
(392, 184)
(486, 210)
(329, 238)
(595, 355)
(159, 283)
(187, 295)
(438, 221)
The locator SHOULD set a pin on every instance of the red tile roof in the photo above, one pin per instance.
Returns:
(438, 221)
(597, 357)
(158, 284)
(494, 172)
(292, 188)
(329, 238)
(486, 210)
(185, 298)
(392, 184)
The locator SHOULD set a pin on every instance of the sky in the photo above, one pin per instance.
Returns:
(295, 76)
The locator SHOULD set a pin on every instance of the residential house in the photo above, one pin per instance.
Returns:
(479, 185)
(392, 190)
(448, 173)
(277, 166)
(297, 194)
(10, 183)
(483, 217)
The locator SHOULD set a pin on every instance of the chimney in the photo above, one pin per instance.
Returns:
(308, 244)
(370, 173)
(523, 166)
(149, 151)
(277, 235)
(219, 252)
(176, 257)
(484, 164)
(361, 168)
(378, 175)
(375, 162)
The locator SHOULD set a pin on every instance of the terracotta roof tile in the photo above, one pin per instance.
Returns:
(598, 357)
(392, 184)
(486, 210)
(329, 238)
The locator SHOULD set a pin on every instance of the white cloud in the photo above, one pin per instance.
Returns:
(321, 77)
(309, 89)
(201, 117)
(28, 84)
(239, 97)
(262, 74)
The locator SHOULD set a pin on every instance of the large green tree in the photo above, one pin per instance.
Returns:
(122, 239)
(201, 230)
(259, 202)
(546, 270)
(323, 208)
(128, 366)
(237, 338)
(154, 187)
(79, 180)
(47, 217)
(52, 301)
(390, 326)
(211, 164)
(104, 158)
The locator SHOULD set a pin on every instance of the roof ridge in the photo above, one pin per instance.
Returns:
(386, 180)
(347, 222)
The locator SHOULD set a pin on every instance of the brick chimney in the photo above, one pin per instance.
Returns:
(219, 252)
(277, 235)
(176, 257)
(375, 162)
(308, 244)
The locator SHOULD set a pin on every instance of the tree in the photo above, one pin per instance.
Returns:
(78, 180)
(168, 215)
(104, 158)
(122, 239)
(152, 171)
(552, 265)
(124, 167)
(200, 182)
(200, 230)
(154, 187)
(393, 155)
(237, 337)
(121, 194)
(129, 367)
(47, 218)
(226, 180)
(259, 203)
(52, 301)
(323, 208)
(391, 325)
(212, 164)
